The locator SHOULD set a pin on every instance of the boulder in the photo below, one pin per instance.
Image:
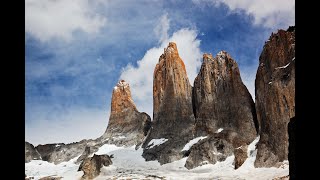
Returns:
(91, 166)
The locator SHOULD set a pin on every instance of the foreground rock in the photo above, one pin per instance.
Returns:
(217, 147)
(173, 117)
(31, 153)
(91, 166)
(275, 97)
(127, 126)
(221, 100)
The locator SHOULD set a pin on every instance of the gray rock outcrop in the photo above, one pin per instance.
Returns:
(221, 100)
(217, 147)
(60, 152)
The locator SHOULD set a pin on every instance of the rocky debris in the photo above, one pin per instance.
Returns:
(127, 126)
(217, 147)
(31, 153)
(275, 97)
(91, 166)
(292, 148)
(51, 178)
(173, 117)
(221, 100)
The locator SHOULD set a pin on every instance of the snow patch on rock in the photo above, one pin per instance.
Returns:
(219, 130)
(156, 142)
(192, 142)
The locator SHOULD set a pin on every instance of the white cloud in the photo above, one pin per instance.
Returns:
(46, 19)
(140, 78)
(161, 30)
(66, 126)
(268, 13)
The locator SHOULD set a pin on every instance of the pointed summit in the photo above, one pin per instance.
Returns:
(121, 98)
(221, 100)
(127, 126)
(172, 109)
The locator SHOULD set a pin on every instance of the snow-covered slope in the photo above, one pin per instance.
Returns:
(128, 163)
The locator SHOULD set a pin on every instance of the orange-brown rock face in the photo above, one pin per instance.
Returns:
(126, 124)
(221, 100)
(121, 102)
(173, 117)
(171, 85)
(121, 98)
(275, 97)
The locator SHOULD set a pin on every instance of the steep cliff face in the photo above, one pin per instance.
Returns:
(127, 126)
(221, 100)
(275, 97)
(173, 117)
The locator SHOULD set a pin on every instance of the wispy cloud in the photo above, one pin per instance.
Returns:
(268, 13)
(46, 19)
(140, 77)
(162, 28)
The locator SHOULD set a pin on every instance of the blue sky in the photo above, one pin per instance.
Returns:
(77, 50)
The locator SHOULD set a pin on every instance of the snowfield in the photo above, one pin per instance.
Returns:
(128, 163)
